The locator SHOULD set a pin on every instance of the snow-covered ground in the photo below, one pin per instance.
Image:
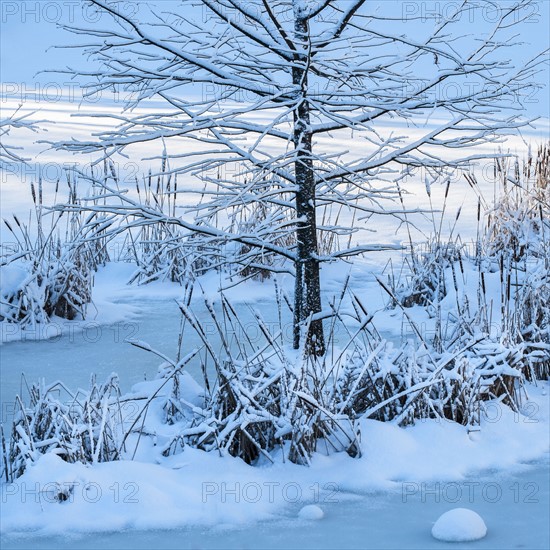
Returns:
(390, 497)
(514, 506)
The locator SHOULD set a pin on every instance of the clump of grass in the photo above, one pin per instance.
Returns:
(159, 250)
(422, 280)
(260, 399)
(517, 236)
(511, 255)
(79, 427)
(53, 260)
(519, 223)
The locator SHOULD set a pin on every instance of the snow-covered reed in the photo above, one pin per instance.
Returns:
(499, 290)
(48, 269)
(78, 427)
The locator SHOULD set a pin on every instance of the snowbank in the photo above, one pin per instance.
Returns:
(198, 488)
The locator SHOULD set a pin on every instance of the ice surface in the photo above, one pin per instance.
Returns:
(371, 520)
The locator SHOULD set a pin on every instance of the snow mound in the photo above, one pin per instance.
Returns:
(12, 277)
(311, 511)
(459, 525)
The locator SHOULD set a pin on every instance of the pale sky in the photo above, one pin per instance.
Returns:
(30, 30)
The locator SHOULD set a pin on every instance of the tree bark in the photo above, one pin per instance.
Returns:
(307, 292)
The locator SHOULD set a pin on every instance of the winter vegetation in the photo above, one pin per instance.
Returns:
(260, 400)
(276, 89)
(309, 79)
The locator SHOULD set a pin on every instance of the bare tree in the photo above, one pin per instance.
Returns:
(280, 85)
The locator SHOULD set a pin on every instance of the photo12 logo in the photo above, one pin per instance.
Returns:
(468, 12)
(62, 11)
(268, 491)
(75, 332)
(58, 492)
(470, 491)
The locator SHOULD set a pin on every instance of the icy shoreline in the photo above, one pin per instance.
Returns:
(195, 488)
(391, 519)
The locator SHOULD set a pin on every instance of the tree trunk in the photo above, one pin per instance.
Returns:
(307, 292)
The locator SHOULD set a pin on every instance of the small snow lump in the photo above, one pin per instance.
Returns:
(311, 511)
(459, 525)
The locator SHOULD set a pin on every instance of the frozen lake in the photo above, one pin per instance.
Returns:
(73, 355)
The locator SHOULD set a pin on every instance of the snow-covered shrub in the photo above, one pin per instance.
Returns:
(162, 251)
(61, 288)
(156, 248)
(371, 382)
(517, 238)
(421, 278)
(260, 400)
(448, 375)
(44, 275)
(161, 255)
(22, 296)
(486, 371)
(42, 290)
(37, 287)
(425, 284)
(69, 285)
(528, 319)
(80, 427)
(512, 255)
(411, 382)
(260, 218)
(275, 223)
(519, 222)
